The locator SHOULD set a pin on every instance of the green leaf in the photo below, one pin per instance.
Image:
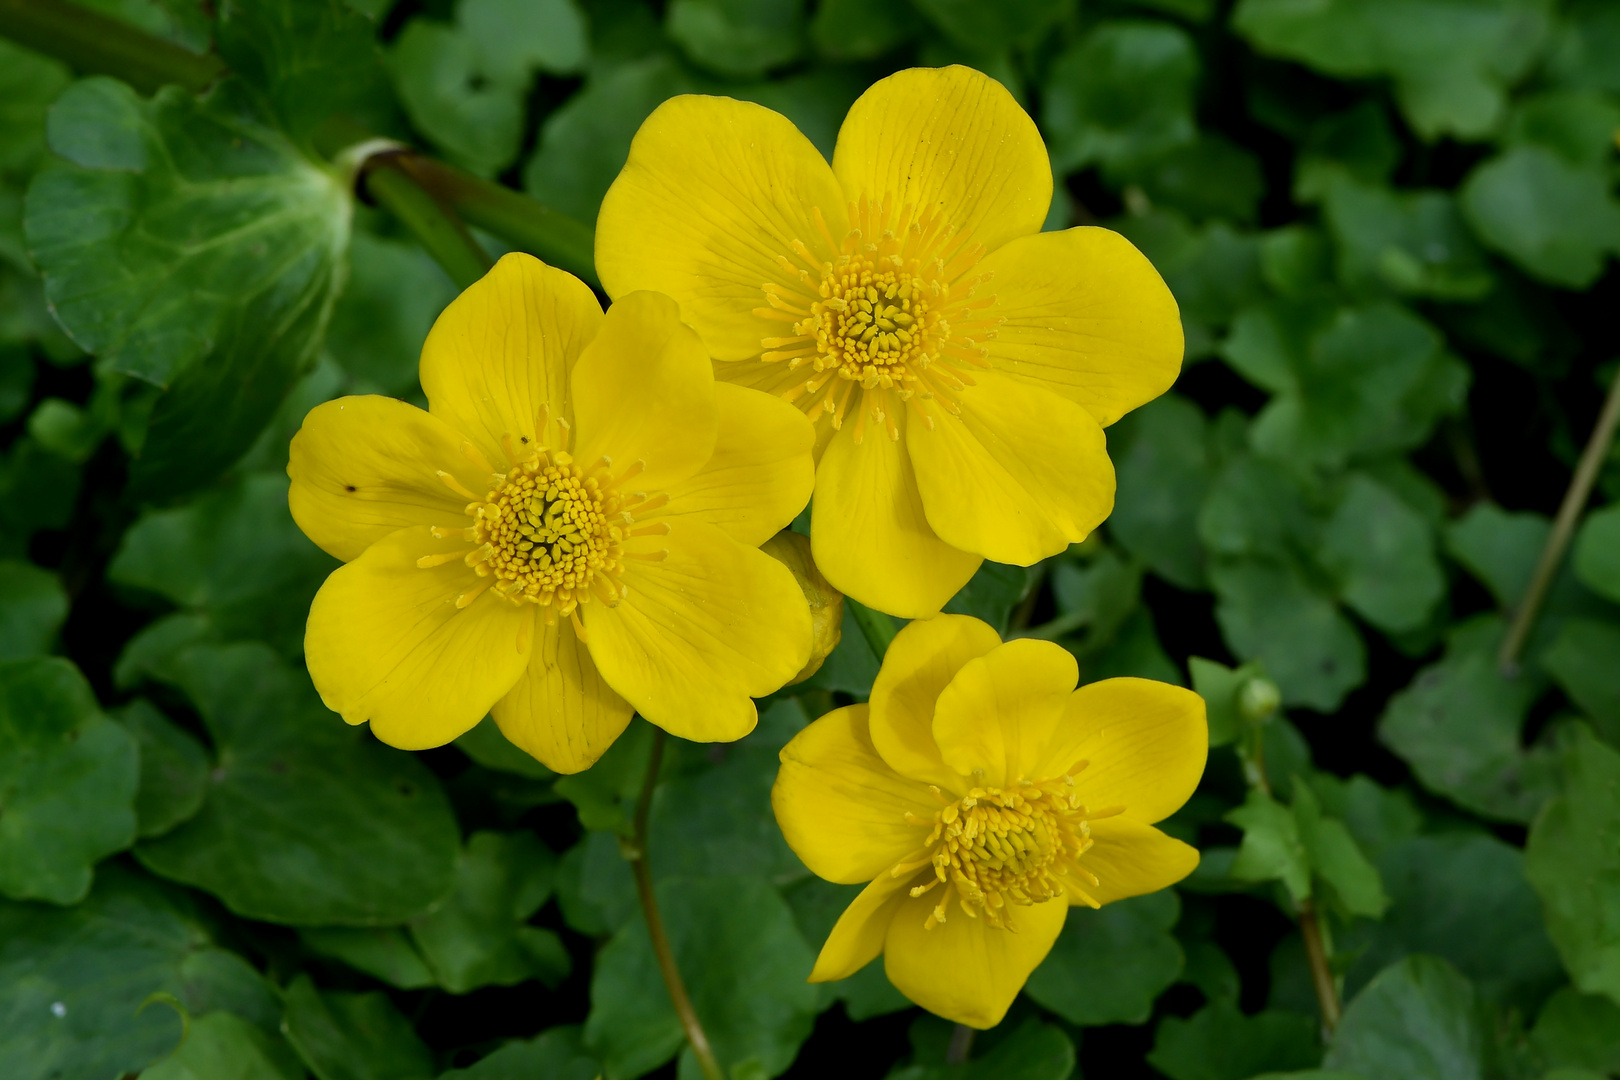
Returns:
(234, 555)
(1213, 272)
(1381, 552)
(1258, 508)
(1499, 548)
(1109, 965)
(1583, 50)
(221, 1046)
(33, 606)
(1119, 96)
(605, 793)
(1580, 1030)
(1597, 552)
(595, 889)
(73, 981)
(556, 1054)
(740, 38)
(1358, 143)
(29, 82)
(1452, 60)
(1220, 1043)
(1458, 726)
(353, 1036)
(851, 666)
(1164, 471)
(307, 821)
(310, 58)
(991, 594)
(1221, 688)
(478, 937)
(817, 906)
(721, 816)
(224, 327)
(861, 29)
(527, 35)
(744, 963)
(384, 952)
(1408, 243)
(1417, 1020)
(1578, 124)
(174, 769)
(1463, 897)
(68, 778)
(988, 28)
(394, 292)
(1211, 177)
(1556, 220)
(1581, 660)
(1572, 858)
(1032, 1051)
(1378, 817)
(1272, 847)
(1354, 886)
(488, 747)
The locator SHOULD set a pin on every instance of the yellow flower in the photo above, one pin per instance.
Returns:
(611, 562)
(981, 794)
(960, 364)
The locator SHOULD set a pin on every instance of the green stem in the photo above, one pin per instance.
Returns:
(1316, 954)
(637, 855)
(93, 44)
(1563, 530)
(961, 1045)
(877, 628)
(438, 230)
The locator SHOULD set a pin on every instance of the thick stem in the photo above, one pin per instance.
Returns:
(877, 628)
(1327, 990)
(93, 44)
(438, 230)
(655, 923)
(1563, 530)
(961, 1045)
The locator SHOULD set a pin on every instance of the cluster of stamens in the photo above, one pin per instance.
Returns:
(999, 848)
(890, 312)
(550, 532)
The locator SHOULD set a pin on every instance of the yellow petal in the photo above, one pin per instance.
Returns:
(1131, 858)
(1146, 742)
(504, 348)
(922, 660)
(857, 937)
(841, 807)
(964, 969)
(760, 475)
(386, 642)
(365, 467)
(643, 390)
(560, 711)
(701, 633)
(1087, 316)
(713, 195)
(1021, 475)
(952, 140)
(999, 712)
(869, 533)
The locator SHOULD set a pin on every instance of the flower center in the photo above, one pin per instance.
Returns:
(891, 312)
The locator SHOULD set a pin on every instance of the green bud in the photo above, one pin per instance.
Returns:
(1258, 699)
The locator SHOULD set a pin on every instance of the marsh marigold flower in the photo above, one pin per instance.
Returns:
(569, 532)
(982, 796)
(960, 365)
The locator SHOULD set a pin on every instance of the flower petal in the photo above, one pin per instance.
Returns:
(700, 633)
(1146, 742)
(870, 536)
(561, 712)
(365, 467)
(644, 390)
(1022, 474)
(922, 660)
(387, 643)
(504, 348)
(713, 195)
(1086, 316)
(999, 712)
(858, 936)
(952, 140)
(760, 475)
(964, 969)
(841, 807)
(1131, 858)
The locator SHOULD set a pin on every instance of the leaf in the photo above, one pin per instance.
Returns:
(1032, 1051)
(1164, 472)
(861, 29)
(1272, 849)
(739, 38)
(1577, 124)
(605, 794)
(384, 952)
(1572, 857)
(353, 1036)
(1408, 243)
(1556, 220)
(221, 1046)
(1354, 886)
(1382, 553)
(594, 886)
(174, 769)
(310, 58)
(73, 981)
(394, 292)
(68, 777)
(1581, 660)
(744, 963)
(1580, 1030)
(1211, 177)
(29, 82)
(1096, 596)
(989, 28)
(488, 747)
(1499, 548)
(527, 35)
(555, 1054)
(1358, 143)
(307, 822)
(1213, 272)
(817, 906)
(1417, 1020)
(479, 936)
(1221, 688)
(234, 555)
(33, 606)
(1120, 95)
(850, 667)
(37, 491)
(721, 816)
(1597, 552)
(1109, 965)
(224, 327)
(1220, 1043)
(991, 594)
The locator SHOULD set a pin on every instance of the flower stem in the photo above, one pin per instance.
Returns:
(961, 1045)
(94, 44)
(637, 855)
(1327, 989)
(877, 628)
(1563, 530)
(438, 229)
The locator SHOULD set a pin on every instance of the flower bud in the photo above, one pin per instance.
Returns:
(1258, 699)
(826, 603)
